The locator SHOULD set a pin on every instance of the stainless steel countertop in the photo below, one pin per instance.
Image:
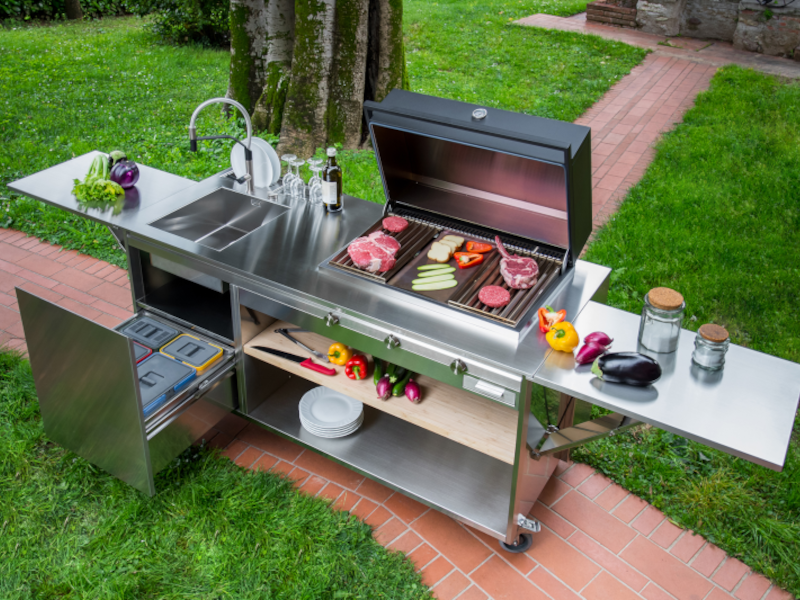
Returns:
(747, 409)
(282, 257)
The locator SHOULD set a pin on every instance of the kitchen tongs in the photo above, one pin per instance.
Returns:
(285, 333)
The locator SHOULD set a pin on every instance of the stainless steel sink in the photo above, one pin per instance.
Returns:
(220, 218)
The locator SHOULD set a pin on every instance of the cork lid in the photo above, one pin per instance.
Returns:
(665, 298)
(713, 333)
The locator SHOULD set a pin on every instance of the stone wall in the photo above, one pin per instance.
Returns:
(749, 25)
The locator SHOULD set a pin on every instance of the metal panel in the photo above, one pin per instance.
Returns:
(86, 382)
(747, 409)
(185, 272)
(461, 482)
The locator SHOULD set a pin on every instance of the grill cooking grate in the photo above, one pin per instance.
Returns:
(412, 239)
(521, 300)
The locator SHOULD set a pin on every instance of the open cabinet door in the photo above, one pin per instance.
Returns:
(86, 381)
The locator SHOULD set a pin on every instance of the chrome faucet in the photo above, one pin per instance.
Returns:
(248, 154)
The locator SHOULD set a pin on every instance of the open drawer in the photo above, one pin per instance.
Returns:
(90, 395)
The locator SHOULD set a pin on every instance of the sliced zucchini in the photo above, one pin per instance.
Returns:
(436, 285)
(436, 272)
(433, 267)
(445, 277)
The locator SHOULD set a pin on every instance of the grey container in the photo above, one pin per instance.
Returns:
(149, 332)
(159, 378)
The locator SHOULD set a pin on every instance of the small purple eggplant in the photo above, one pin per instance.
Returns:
(413, 392)
(590, 352)
(384, 388)
(599, 337)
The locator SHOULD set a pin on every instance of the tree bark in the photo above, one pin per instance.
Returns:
(304, 67)
(73, 10)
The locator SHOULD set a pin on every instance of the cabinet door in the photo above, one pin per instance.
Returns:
(86, 381)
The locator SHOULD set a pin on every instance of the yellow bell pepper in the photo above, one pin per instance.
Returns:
(563, 337)
(339, 354)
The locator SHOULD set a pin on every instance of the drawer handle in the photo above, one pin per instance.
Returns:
(487, 389)
(331, 319)
(458, 366)
(392, 342)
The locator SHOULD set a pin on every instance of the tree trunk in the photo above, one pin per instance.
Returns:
(304, 67)
(73, 10)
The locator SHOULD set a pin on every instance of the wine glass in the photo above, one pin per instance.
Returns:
(297, 187)
(289, 176)
(315, 183)
(314, 162)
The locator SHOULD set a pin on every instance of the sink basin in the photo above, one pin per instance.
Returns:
(220, 218)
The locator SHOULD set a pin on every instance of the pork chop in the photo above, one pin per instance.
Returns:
(375, 252)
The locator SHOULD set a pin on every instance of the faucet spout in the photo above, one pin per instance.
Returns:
(247, 150)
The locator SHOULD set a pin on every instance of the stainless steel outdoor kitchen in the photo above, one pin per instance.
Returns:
(226, 265)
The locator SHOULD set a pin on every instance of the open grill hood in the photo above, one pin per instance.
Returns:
(523, 176)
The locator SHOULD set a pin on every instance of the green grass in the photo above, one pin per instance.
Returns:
(68, 530)
(717, 217)
(71, 88)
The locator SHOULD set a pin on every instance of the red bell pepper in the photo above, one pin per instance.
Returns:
(479, 247)
(357, 367)
(464, 260)
(548, 317)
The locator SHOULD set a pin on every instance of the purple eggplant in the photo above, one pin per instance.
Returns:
(629, 368)
(600, 338)
(384, 388)
(589, 352)
(413, 392)
(125, 173)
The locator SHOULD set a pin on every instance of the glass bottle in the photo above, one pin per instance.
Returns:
(332, 183)
(710, 346)
(660, 327)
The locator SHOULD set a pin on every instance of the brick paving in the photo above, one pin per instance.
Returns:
(598, 541)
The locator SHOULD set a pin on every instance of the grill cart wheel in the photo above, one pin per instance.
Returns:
(523, 543)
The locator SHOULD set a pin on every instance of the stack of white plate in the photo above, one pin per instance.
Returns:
(330, 414)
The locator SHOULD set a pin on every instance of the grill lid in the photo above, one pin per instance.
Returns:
(522, 175)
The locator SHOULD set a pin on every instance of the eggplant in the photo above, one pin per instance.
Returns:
(628, 368)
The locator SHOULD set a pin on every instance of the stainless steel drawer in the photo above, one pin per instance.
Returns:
(90, 400)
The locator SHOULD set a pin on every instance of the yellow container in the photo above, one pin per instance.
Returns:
(192, 352)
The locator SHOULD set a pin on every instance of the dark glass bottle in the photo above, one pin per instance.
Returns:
(332, 183)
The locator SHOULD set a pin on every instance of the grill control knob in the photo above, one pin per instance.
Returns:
(392, 342)
(331, 319)
(479, 114)
(458, 366)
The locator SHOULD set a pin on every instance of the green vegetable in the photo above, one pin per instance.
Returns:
(435, 267)
(436, 285)
(436, 272)
(376, 377)
(400, 387)
(96, 187)
(434, 279)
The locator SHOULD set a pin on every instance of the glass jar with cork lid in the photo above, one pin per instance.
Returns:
(710, 346)
(660, 327)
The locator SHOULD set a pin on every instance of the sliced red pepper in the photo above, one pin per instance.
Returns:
(357, 367)
(479, 247)
(465, 260)
(548, 317)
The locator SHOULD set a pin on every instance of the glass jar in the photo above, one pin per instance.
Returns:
(660, 327)
(710, 346)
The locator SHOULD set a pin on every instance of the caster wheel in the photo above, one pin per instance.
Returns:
(524, 542)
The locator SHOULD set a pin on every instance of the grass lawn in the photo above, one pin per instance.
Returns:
(717, 217)
(107, 85)
(68, 530)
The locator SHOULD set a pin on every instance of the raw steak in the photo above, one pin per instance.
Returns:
(519, 272)
(494, 296)
(374, 252)
(395, 224)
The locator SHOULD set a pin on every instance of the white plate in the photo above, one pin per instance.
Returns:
(347, 429)
(336, 434)
(326, 409)
(273, 158)
(263, 175)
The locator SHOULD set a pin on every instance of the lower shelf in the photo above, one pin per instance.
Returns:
(468, 485)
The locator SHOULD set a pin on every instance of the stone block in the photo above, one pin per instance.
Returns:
(661, 17)
(776, 32)
(710, 19)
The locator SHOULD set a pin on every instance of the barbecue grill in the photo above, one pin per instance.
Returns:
(450, 167)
